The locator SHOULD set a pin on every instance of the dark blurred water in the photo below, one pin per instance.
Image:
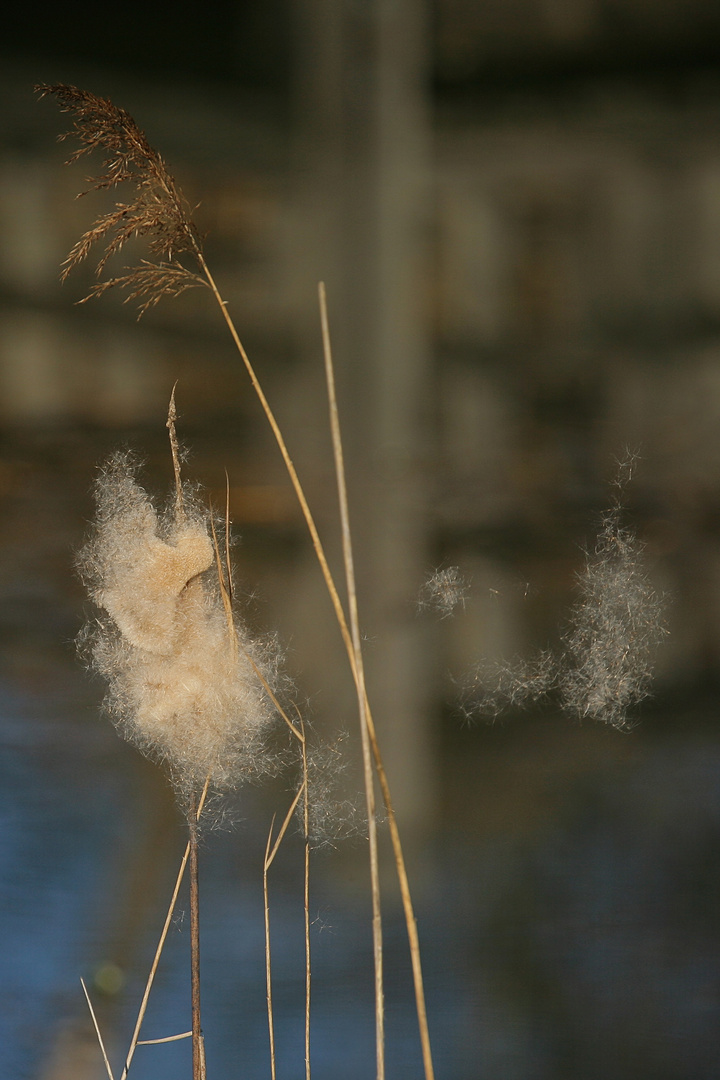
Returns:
(587, 944)
(567, 891)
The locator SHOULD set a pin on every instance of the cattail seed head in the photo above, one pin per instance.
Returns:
(183, 685)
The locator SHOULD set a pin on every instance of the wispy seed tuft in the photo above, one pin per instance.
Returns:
(444, 591)
(614, 629)
(604, 665)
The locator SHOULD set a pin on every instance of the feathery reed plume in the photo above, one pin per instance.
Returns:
(180, 686)
(157, 211)
(604, 666)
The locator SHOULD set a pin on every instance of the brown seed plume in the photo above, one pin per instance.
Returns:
(157, 211)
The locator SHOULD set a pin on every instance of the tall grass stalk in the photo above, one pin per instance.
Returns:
(98, 1034)
(271, 850)
(306, 901)
(370, 742)
(135, 1039)
(359, 672)
(198, 1050)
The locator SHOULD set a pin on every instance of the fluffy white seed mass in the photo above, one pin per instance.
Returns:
(183, 685)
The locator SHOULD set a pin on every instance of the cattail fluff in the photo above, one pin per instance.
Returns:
(183, 684)
(444, 591)
(614, 630)
(604, 665)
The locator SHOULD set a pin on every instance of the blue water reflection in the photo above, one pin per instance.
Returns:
(568, 913)
(58, 812)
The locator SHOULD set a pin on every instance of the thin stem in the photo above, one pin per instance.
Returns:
(282, 446)
(267, 863)
(156, 961)
(306, 903)
(410, 920)
(268, 966)
(197, 1046)
(361, 691)
(228, 562)
(161, 945)
(97, 1030)
(347, 640)
(167, 1039)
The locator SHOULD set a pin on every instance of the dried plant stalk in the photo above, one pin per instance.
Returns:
(306, 901)
(271, 851)
(198, 1050)
(366, 719)
(363, 706)
(135, 1040)
(97, 1031)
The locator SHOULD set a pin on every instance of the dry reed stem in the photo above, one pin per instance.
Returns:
(306, 901)
(360, 685)
(267, 863)
(350, 649)
(168, 1038)
(410, 920)
(175, 452)
(226, 589)
(97, 1030)
(269, 691)
(197, 1037)
(161, 944)
(285, 453)
(268, 964)
(225, 592)
(269, 859)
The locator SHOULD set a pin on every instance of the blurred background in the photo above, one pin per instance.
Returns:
(515, 206)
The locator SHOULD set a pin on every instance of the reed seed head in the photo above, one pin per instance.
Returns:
(156, 208)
